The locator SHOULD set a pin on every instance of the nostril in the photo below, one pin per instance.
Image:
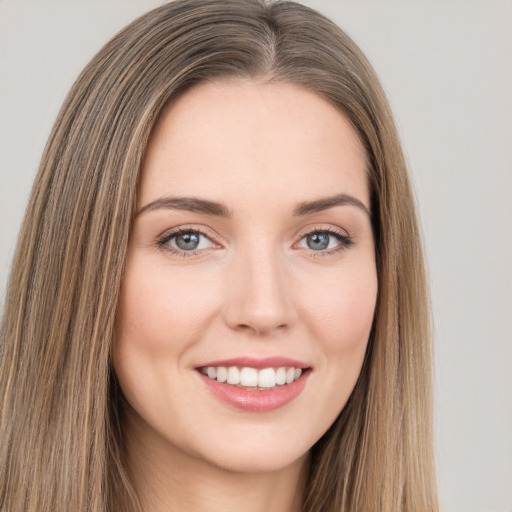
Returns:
(260, 328)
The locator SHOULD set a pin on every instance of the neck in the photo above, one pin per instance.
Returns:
(167, 479)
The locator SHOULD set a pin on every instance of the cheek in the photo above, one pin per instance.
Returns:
(339, 316)
(161, 313)
(341, 311)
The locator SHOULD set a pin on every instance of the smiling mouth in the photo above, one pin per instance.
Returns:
(252, 378)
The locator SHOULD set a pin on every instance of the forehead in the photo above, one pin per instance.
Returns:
(254, 140)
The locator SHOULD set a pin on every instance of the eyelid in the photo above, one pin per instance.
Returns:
(321, 228)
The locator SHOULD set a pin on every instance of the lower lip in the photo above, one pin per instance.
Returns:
(253, 400)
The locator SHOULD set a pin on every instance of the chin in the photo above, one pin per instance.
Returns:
(254, 460)
(251, 449)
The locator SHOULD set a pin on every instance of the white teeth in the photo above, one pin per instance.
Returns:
(251, 377)
(267, 378)
(222, 374)
(233, 375)
(281, 376)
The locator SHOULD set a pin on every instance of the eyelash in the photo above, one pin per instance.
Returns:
(162, 242)
(344, 241)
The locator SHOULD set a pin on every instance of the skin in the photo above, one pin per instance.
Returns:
(253, 288)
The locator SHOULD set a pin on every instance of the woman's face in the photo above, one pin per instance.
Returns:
(251, 260)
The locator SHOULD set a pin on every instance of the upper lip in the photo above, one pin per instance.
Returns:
(258, 363)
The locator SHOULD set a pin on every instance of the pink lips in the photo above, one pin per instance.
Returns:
(252, 400)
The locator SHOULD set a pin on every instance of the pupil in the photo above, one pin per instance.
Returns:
(187, 241)
(318, 241)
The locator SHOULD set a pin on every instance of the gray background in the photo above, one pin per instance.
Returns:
(447, 68)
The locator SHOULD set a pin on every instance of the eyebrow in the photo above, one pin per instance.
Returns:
(191, 204)
(325, 203)
(218, 209)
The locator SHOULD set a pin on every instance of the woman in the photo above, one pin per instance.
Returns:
(218, 297)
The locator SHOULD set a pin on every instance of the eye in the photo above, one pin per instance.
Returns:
(185, 240)
(325, 240)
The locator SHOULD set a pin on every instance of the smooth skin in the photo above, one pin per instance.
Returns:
(247, 277)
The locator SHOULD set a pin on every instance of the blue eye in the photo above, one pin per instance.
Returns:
(318, 241)
(325, 241)
(186, 241)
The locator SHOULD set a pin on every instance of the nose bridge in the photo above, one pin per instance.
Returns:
(258, 298)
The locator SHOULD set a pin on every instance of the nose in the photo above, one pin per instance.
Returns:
(259, 294)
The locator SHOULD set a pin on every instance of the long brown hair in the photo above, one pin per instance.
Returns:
(61, 442)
